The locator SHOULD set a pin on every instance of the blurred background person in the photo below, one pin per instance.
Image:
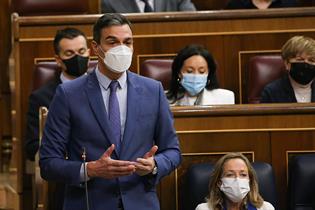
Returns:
(260, 4)
(72, 56)
(233, 186)
(298, 54)
(135, 6)
(194, 80)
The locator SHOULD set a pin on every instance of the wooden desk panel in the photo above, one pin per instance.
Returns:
(269, 133)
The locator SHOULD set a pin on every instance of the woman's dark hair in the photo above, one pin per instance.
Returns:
(176, 90)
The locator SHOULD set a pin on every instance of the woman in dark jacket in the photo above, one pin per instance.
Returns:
(260, 4)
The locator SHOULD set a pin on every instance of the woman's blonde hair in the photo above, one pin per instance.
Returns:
(215, 198)
(298, 45)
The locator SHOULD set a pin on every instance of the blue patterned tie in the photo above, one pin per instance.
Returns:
(114, 114)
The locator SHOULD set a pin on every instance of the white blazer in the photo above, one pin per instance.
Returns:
(265, 206)
(208, 97)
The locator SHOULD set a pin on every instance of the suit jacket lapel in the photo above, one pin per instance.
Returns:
(133, 101)
(97, 105)
(289, 95)
(159, 5)
(133, 7)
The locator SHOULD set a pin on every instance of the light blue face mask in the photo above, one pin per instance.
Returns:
(194, 83)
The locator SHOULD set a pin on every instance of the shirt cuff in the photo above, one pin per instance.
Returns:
(82, 177)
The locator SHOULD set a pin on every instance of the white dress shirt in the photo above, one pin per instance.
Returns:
(63, 78)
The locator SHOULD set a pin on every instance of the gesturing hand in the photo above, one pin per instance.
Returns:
(146, 164)
(108, 168)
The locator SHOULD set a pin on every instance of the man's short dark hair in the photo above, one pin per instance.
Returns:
(66, 33)
(107, 20)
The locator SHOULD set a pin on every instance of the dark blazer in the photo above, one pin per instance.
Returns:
(42, 97)
(77, 119)
(281, 91)
(38, 98)
(130, 6)
(247, 4)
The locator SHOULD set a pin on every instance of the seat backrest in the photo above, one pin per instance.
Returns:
(48, 70)
(195, 187)
(263, 69)
(266, 181)
(197, 179)
(49, 7)
(301, 190)
(44, 72)
(158, 69)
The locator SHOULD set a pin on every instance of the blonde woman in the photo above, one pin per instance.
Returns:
(298, 54)
(234, 186)
(260, 4)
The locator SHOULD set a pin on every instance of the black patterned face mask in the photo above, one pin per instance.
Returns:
(303, 73)
(77, 65)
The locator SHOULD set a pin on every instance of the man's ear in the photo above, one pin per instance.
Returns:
(58, 60)
(94, 47)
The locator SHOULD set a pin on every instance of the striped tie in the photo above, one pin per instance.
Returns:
(114, 114)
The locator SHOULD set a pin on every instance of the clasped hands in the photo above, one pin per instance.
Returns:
(108, 168)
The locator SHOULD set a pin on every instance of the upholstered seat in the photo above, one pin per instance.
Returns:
(158, 69)
(301, 190)
(197, 178)
(263, 69)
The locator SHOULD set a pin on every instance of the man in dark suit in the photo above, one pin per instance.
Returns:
(116, 127)
(72, 56)
(135, 6)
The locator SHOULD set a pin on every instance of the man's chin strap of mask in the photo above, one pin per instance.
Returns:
(118, 59)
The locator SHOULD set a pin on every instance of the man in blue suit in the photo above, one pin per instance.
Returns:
(122, 162)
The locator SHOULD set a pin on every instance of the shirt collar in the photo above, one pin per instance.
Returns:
(63, 78)
(105, 81)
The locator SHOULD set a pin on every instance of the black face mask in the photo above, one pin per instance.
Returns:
(303, 73)
(77, 65)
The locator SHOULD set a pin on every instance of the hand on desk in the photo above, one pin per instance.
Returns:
(108, 168)
(146, 164)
